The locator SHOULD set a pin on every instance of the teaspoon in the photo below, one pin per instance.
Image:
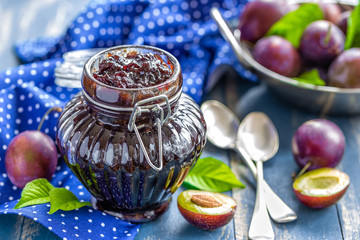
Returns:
(222, 128)
(258, 136)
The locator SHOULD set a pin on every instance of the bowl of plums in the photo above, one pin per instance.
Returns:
(307, 52)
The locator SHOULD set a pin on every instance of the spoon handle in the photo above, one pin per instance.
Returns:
(227, 33)
(260, 226)
(279, 211)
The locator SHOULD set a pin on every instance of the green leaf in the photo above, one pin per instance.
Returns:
(35, 192)
(353, 29)
(293, 24)
(63, 199)
(211, 174)
(311, 77)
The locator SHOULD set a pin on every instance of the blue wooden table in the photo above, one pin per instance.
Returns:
(21, 20)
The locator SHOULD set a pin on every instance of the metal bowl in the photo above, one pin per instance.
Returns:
(320, 99)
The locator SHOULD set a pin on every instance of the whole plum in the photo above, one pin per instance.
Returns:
(278, 55)
(344, 72)
(331, 11)
(321, 42)
(318, 142)
(342, 21)
(30, 155)
(258, 17)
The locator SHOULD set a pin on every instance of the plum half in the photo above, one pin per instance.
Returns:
(321, 187)
(206, 210)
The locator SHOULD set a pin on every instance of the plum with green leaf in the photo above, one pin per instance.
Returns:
(278, 55)
(206, 210)
(321, 188)
(292, 25)
(31, 155)
(321, 42)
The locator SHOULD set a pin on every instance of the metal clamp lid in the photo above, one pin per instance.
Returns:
(138, 109)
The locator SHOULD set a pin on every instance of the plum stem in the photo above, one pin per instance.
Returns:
(303, 170)
(57, 109)
(328, 36)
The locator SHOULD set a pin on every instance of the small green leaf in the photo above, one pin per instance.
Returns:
(211, 174)
(353, 29)
(35, 192)
(311, 77)
(293, 24)
(63, 199)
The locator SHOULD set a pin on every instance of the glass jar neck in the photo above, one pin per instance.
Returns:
(144, 107)
(121, 102)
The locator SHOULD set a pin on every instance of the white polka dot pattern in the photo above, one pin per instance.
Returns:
(183, 28)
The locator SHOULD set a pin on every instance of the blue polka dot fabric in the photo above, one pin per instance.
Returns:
(184, 28)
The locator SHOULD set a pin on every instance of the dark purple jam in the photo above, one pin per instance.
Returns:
(133, 70)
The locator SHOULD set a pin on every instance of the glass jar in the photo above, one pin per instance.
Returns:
(131, 147)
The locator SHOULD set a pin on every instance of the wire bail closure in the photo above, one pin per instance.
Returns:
(137, 111)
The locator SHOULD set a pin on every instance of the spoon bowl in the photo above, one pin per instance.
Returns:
(222, 124)
(258, 136)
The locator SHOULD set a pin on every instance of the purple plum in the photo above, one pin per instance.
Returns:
(278, 55)
(344, 71)
(319, 142)
(342, 21)
(30, 155)
(321, 42)
(258, 17)
(331, 11)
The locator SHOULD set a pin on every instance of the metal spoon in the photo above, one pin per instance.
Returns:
(258, 136)
(222, 128)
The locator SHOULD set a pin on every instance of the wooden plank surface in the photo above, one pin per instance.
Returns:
(349, 206)
(14, 227)
(10, 226)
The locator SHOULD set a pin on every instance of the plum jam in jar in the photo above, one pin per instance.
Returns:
(131, 136)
